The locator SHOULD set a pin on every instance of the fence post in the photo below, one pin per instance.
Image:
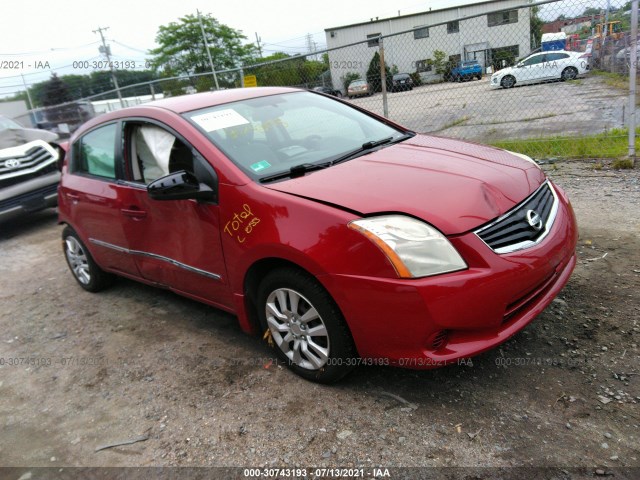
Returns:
(383, 79)
(633, 64)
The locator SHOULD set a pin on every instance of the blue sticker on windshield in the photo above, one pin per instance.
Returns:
(263, 165)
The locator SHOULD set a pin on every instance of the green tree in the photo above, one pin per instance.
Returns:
(374, 75)
(182, 47)
(591, 11)
(55, 92)
(535, 25)
(439, 62)
(293, 71)
(348, 78)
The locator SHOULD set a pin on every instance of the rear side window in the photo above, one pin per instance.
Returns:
(96, 155)
(556, 56)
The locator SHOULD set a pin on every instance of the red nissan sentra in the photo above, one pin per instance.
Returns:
(342, 237)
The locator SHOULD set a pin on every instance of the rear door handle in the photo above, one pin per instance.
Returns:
(134, 212)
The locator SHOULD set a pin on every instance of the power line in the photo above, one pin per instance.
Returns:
(47, 51)
(146, 52)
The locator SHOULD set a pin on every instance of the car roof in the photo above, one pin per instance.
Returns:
(196, 101)
(188, 103)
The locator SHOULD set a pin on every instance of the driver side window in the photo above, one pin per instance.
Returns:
(533, 60)
(154, 152)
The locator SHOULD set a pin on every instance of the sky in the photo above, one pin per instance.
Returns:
(38, 37)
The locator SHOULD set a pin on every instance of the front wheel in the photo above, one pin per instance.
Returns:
(508, 82)
(308, 330)
(84, 269)
(569, 73)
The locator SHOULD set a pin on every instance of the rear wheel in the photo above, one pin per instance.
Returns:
(569, 73)
(84, 269)
(508, 82)
(308, 330)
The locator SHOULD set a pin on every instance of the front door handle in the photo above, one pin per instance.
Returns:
(134, 212)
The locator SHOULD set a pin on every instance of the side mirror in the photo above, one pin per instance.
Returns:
(180, 185)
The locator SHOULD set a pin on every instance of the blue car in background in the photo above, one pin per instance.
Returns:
(467, 70)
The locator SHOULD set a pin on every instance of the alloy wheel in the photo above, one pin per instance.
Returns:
(77, 260)
(297, 328)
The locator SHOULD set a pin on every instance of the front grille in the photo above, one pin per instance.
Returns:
(525, 225)
(32, 158)
(24, 177)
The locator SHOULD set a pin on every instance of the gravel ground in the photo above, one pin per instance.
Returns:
(136, 362)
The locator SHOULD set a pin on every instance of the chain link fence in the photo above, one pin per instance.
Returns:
(547, 79)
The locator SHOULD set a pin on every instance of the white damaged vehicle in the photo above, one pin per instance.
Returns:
(29, 173)
(542, 67)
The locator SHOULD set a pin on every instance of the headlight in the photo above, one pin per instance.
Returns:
(414, 248)
(524, 157)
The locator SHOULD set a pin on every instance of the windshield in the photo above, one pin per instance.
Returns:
(6, 123)
(269, 135)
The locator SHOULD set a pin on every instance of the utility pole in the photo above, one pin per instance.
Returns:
(206, 46)
(258, 40)
(107, 51)
(633, 59)
(26, 89)
(32, 114)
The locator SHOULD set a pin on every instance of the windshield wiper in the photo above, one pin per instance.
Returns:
(367, 146)
(375, 143)
(300, 170)
(296, 171)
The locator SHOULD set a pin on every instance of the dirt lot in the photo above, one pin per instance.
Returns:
(472, 110)
(136, 361)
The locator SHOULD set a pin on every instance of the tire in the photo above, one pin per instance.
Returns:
(308, 330)
(508, 82)
(568, 74)
(84, 269)
(480, 77)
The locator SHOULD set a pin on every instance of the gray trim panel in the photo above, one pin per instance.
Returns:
(189, 268)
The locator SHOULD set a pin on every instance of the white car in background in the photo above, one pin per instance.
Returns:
(542, 67)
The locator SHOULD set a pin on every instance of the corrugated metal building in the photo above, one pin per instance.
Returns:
(481, 31)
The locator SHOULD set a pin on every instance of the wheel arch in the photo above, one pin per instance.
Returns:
(254, 275)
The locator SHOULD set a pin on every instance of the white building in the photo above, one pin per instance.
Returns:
(487, 31)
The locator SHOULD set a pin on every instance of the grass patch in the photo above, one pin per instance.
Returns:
(614, 80)
(610, 144)
(453, 123)
(622, 164)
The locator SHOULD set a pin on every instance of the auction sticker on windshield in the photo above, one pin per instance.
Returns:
(221, 119)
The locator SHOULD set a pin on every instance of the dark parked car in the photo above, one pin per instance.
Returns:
(401, 81)
(329, 91)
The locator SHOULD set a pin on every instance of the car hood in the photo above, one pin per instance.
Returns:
(455, 186)
(503, 71)
(14, 137)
